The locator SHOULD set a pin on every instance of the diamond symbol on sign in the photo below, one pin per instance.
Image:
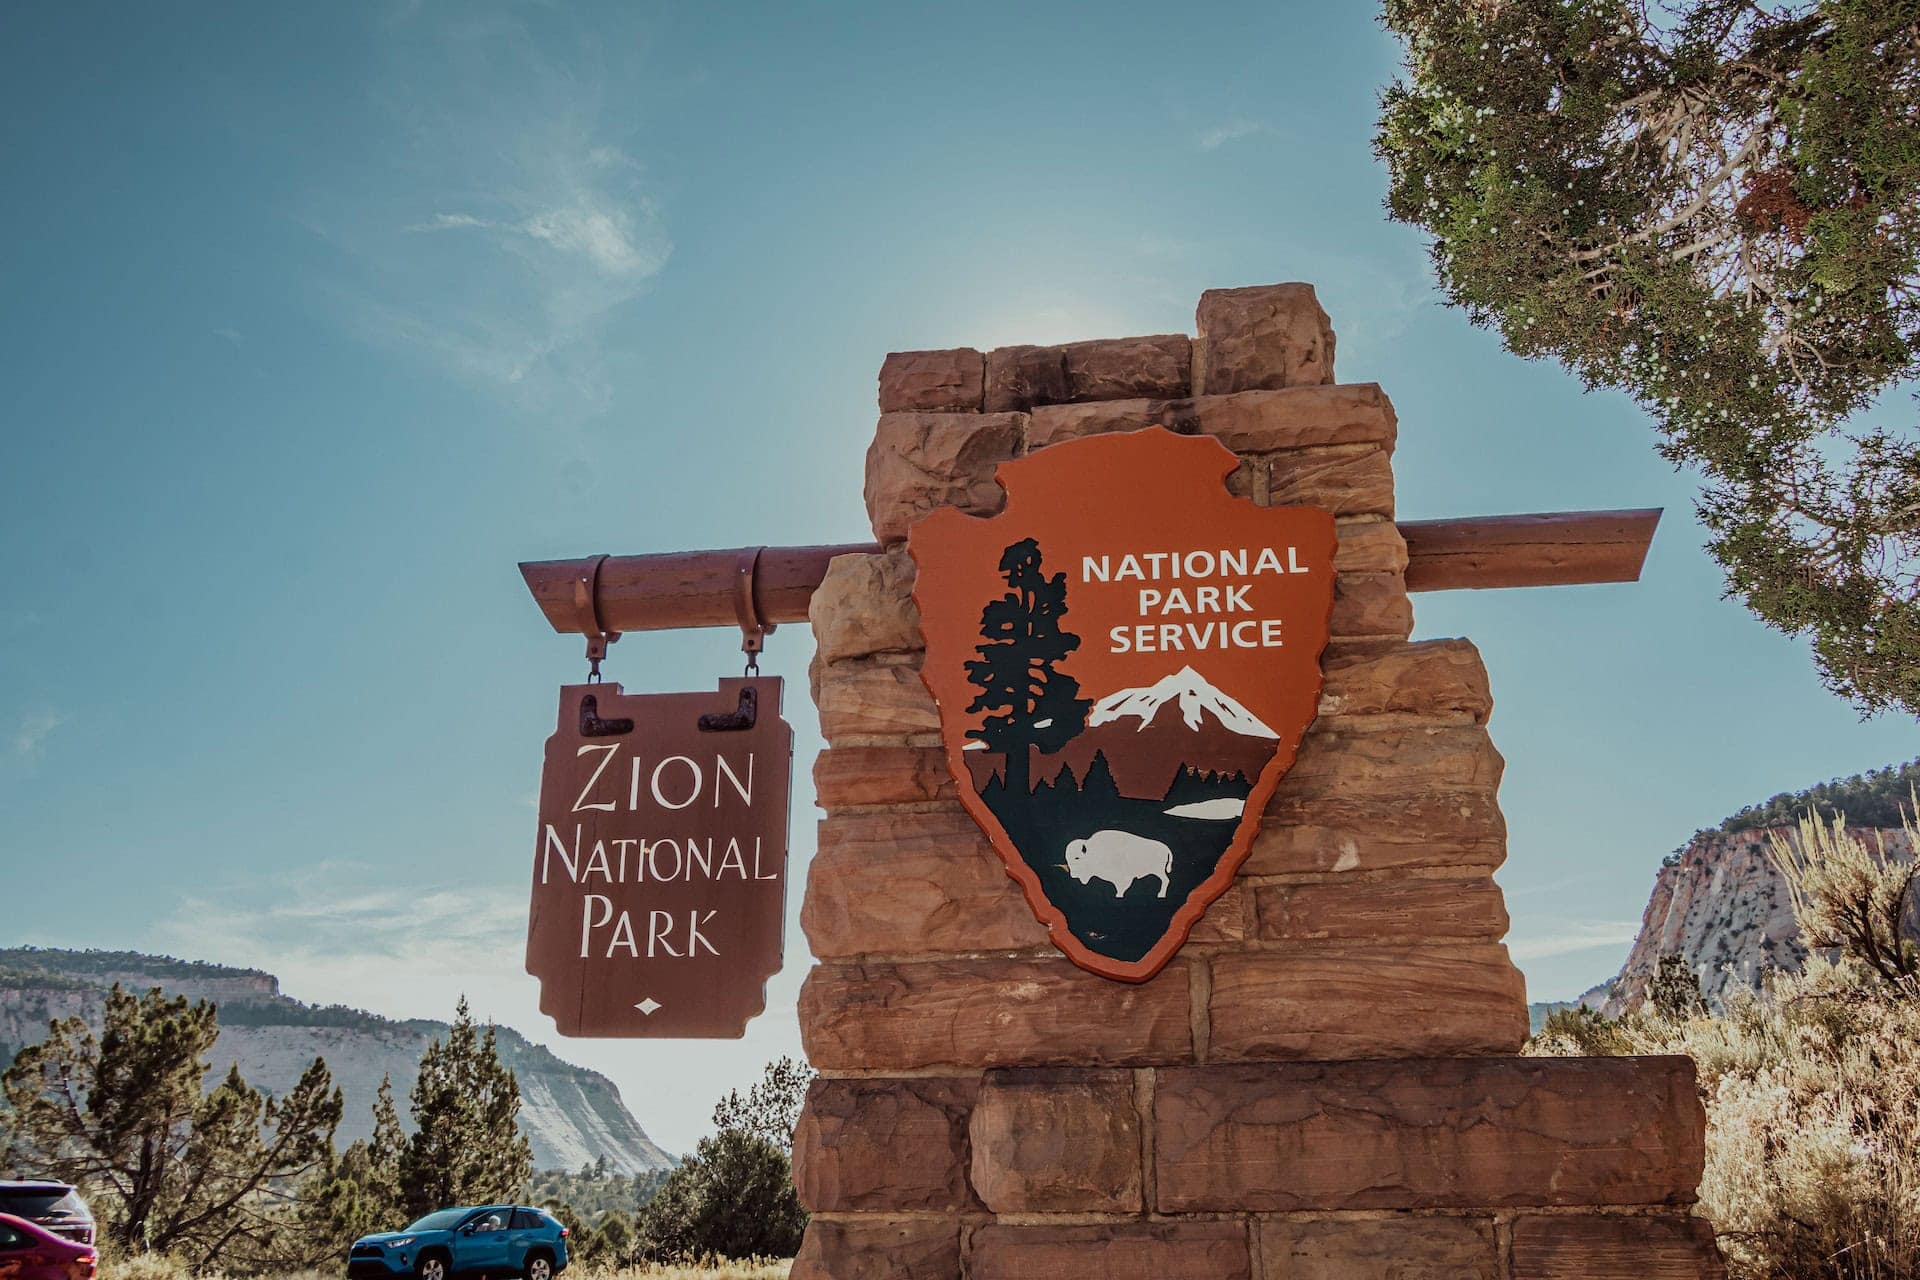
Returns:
(648, 1005)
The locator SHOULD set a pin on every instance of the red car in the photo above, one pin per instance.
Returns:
(28, 1252)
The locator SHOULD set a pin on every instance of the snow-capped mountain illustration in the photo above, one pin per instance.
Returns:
(1189, 691)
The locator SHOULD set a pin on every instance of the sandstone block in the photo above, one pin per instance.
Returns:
(863, 606)
(1372, 604)
(844, 777)
(952, 381)
(1340, 760)
(1258, 422)
(1264, 337)
(1366, 1002)
(1615, 1248)
(1383, 910)
(879, 1249)
(1193, 1250)
(1348, 480)
(1369, 546)
(864, 697)
(884, 1145)
(1128, 368)
(1426, 678)
(1057, 1140)
(1403, 1248)
(891, 884)
(920, 461)
(1251, 422)
(1056, 423)
(1023, 376)
(1441, 1133)
(990, 1012)
(1374, 832)
(1229, 919)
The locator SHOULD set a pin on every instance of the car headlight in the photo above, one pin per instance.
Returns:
(402, 1242)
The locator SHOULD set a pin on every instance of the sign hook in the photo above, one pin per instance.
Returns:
(753, 631)
(586, 608)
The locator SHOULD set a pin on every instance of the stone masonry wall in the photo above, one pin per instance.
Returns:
(1322, 1084)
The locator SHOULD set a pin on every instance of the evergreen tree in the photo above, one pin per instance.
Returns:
(388, 1145)
(732, 1198)
(1674, 990)
(772, 1106)
(1039, 706)
(178, 1168)
(356, 1193)
(467, 1147)
(1715, 207)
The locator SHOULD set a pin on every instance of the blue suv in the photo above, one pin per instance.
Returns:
(492, 1240)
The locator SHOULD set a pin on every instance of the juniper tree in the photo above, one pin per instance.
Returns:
(179, 1168)
(356, 1193)
(1674, 989)
(1038, 705)
(771, 1107)
(1715, 208)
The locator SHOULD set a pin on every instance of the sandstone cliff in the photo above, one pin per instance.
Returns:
(571, 1115)
(1722, 906)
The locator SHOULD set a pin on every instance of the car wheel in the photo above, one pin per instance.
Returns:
(539, 1267)
(431, 1267)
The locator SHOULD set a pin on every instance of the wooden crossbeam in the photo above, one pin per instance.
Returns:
(1551, 549)
(700, 588)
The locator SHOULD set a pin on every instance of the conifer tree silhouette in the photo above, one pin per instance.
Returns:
(1021, 640)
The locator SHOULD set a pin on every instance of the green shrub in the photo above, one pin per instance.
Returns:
(732, 1198)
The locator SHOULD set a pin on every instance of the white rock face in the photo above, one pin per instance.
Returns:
(1723, 908)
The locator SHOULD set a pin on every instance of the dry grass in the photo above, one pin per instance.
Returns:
(149, 1267)
(757, 1270)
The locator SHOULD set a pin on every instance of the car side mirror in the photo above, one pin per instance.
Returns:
(469, 1229)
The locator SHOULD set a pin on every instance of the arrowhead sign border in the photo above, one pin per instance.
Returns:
(1120, 471)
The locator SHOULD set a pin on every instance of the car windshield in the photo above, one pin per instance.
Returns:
(440, 1221)
(40, 1202)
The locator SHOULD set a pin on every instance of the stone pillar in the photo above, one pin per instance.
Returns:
(1323, 1084)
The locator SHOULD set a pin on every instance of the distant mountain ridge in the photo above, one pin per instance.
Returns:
(571, 1115)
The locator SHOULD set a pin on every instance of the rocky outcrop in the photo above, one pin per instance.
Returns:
(1721, 906)
(571, 1116)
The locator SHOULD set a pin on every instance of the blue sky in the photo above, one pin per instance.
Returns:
(320, 318)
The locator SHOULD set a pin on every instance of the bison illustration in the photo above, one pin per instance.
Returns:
(1120, 858)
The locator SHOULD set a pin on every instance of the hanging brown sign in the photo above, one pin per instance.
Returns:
(1125, 660)
(660, 866)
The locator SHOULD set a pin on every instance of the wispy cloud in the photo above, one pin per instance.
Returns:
(1219, 135)
(1564, 937)
(33, 730)
(515, 225)
(332, 932)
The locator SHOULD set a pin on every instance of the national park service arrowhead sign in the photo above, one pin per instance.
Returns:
(1125, 660)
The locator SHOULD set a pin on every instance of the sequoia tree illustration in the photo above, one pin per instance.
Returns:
(1037, 705)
